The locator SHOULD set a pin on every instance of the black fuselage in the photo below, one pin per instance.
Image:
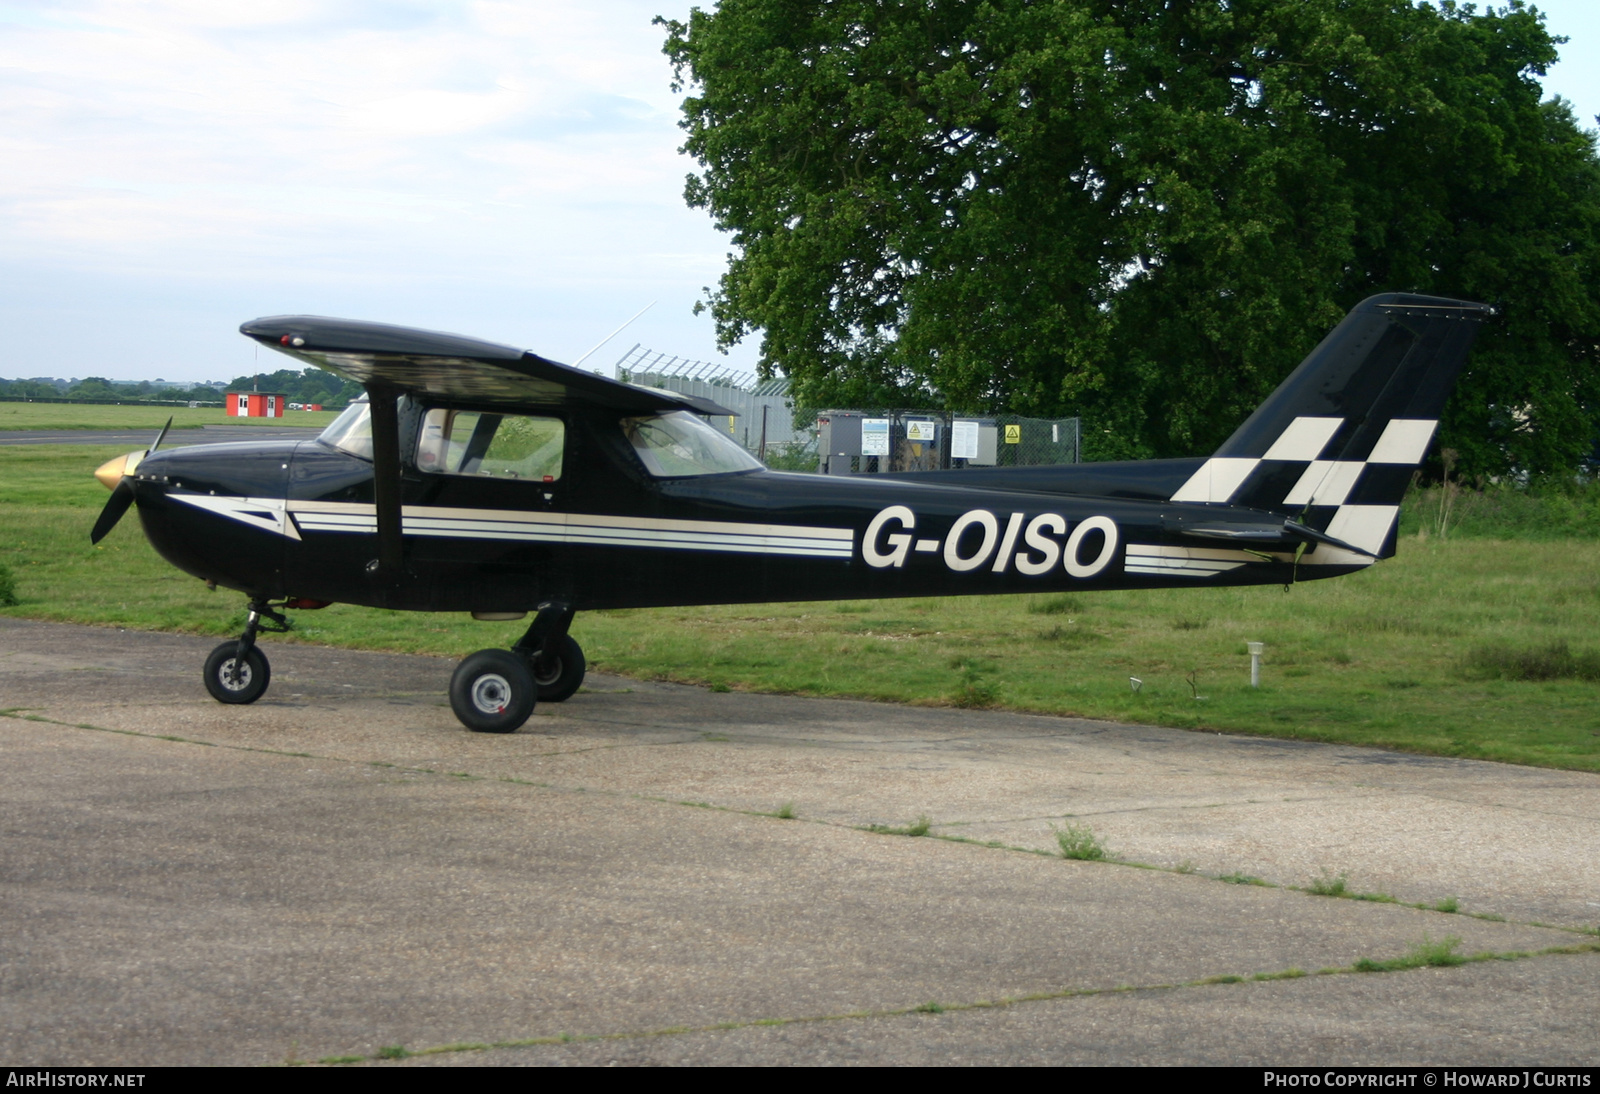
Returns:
(296, 519)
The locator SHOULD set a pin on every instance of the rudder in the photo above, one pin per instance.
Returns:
(1335, 446)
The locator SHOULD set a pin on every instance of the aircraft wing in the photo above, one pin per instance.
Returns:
(449, 366)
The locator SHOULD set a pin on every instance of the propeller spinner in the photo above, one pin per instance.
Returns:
(114, 475)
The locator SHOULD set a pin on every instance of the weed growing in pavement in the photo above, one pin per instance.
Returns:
(1328, 886)
(1375, 898)
(1425, 953)
(1078, 841)
(1291, 973)
(919, 828)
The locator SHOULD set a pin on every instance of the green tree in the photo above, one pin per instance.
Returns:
(93, 387)
(28, 389)
(313, 385)
(1142, 211)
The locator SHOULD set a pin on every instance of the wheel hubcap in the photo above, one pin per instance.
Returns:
(491, 693)
(235, 674)
(547, 671)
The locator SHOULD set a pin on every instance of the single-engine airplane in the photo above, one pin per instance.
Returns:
(479, 478)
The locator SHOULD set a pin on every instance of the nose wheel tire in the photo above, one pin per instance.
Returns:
(492, 691)
(560, 676)
(232, 680)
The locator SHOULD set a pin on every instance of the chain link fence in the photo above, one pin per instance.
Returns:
(854, 442)
(866, 442)
(763, 414)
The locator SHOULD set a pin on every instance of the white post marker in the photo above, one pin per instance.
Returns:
(1255, 649)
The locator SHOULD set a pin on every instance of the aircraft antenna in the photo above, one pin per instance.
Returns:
(613, 334)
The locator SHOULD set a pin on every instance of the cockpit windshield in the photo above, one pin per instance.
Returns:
(679, 444)
(351, 431)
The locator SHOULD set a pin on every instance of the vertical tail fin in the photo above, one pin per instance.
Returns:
(1335, 445)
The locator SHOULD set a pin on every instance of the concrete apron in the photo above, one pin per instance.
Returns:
(341, 867)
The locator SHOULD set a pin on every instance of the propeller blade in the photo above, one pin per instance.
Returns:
(116, 505)
(159, 437)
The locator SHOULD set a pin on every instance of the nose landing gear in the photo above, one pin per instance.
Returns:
(237, 672)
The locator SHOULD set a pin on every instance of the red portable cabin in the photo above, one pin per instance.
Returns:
(256, 404)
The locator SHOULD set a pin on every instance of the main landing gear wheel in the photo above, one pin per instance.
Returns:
(492, 691)
(560, 676)
(231, 679)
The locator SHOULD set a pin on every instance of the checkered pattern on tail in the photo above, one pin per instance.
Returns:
(1335, 446)
(1354, 500)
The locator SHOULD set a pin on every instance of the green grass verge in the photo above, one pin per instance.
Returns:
(1455, 648)
(1549, 509)
(140, 416)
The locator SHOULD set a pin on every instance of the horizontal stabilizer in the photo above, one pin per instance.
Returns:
(1257, 534)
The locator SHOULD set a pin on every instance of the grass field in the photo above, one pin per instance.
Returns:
(140, 416)
(1460, 646)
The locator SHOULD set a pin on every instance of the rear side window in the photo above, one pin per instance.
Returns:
(500, 446)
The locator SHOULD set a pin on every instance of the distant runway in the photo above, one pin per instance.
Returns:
(178, 438)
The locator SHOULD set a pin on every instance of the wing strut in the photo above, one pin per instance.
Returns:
(384, 399)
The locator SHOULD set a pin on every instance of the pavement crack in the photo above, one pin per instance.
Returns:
(916, 831)
(1424, 954)
(1174, 808)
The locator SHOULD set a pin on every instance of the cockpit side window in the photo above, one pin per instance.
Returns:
(502, 446)
(351, 431)
(678, 445)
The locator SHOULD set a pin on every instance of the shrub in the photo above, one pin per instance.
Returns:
(1551, 662)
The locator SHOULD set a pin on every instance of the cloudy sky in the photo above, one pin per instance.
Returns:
(170, 168)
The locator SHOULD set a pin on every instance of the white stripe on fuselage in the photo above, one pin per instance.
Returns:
(1149, 558)
(266, 514)
(582, 529)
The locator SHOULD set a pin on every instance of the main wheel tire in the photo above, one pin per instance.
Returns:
(560, 679)
(229, 681)
(492, 691)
